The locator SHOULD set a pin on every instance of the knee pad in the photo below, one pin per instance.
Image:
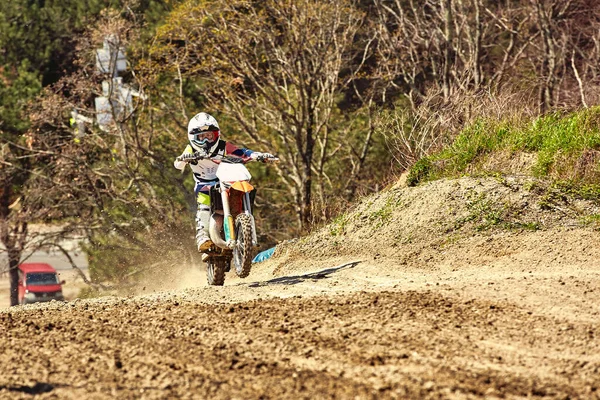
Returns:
(202, 217)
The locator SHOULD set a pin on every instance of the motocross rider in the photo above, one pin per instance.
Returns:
(204, 136)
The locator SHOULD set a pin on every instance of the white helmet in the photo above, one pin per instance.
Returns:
(203, 132)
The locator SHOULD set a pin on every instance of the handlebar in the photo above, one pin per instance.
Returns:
(228, 158)
(268, 159)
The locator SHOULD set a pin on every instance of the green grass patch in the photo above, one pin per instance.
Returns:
(383, 215)
(486, 214)
(561, 191)
(482, 211)
(338, 225)
(592, 220)
(420, 172)
(566, 145)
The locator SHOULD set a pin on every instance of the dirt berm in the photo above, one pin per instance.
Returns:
(469, 288)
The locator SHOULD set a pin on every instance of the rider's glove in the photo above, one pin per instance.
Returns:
(261, 156)
(191, 157)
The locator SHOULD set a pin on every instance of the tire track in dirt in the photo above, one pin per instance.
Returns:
(417, 344)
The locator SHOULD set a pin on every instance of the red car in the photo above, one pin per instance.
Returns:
(39, 282)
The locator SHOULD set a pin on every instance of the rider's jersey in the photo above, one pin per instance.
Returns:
(205, 171)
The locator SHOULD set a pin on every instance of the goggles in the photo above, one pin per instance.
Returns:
(210, 135)
(202, 135)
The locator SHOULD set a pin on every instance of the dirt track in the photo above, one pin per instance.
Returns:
(411, 335)
(497, 314)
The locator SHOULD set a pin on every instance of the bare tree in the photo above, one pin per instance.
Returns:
(13, 227)
(448, 47)
(276, 67)
(28, 196)
(548, 66)
(105, 183)
(563, 51)
(116, 174)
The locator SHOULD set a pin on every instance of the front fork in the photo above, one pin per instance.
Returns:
(228, 225)
(228, 222)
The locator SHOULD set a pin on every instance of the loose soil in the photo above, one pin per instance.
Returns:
(460, 289)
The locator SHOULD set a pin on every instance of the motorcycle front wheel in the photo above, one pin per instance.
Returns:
(242, 252)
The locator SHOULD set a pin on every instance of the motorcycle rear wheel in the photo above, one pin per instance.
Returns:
(215, 271)
(242, 253)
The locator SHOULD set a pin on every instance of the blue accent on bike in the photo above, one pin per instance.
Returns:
(263, 255)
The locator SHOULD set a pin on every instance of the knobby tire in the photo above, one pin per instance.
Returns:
(242, 254)
(215, 271)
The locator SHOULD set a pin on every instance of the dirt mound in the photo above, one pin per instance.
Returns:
(446, 219)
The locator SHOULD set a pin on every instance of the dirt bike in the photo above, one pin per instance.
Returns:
(231, 226)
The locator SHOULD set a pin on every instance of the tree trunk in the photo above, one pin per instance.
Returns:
(307, 181)
(13, 273)
(12, 237)
(449, 51)
(356, 172)
(548, 68)
(477, 78)
(306, 211)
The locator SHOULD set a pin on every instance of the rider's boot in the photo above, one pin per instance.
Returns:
(202, 240)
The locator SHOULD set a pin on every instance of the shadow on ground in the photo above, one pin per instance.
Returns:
(296, 279)
(38, 388)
